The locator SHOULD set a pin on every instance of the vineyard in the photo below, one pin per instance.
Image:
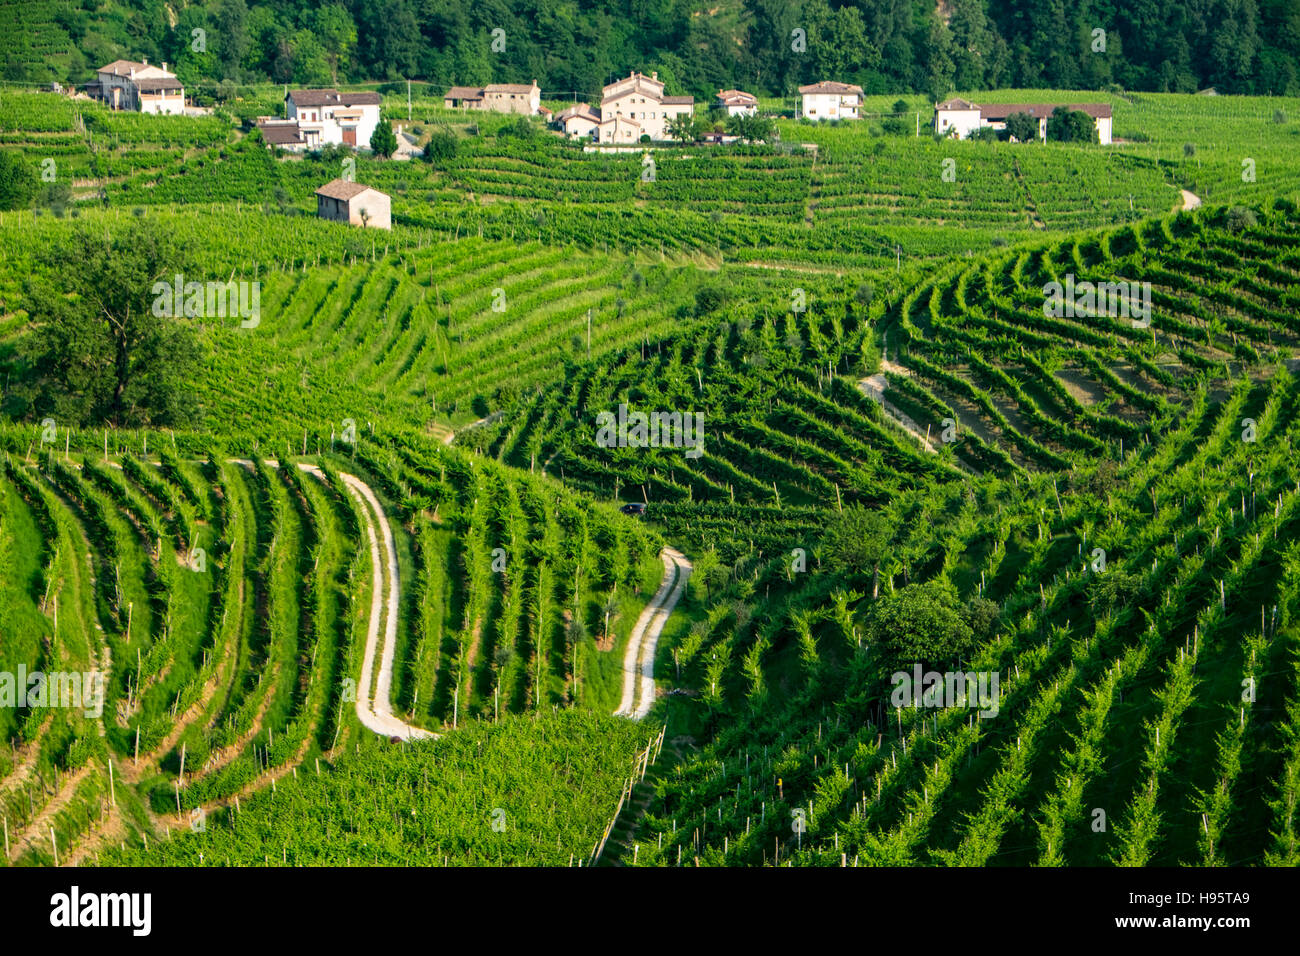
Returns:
(387, 594)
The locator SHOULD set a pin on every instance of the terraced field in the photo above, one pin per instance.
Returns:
(392, 515)
(228, 602)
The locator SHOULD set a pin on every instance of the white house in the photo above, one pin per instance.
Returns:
(641, 98)
(525, 99)
(127, 85)
(620, 129)
(960, 118)
(286, 134)
(829, 100)
(579, 122)
(737, 102)
(344, 201)
(328, 116)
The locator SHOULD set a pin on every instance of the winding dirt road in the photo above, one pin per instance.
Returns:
(639, 659)
(374, 705)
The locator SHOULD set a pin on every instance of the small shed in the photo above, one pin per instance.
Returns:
(360, 205)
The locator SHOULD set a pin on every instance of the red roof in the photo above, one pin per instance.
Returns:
(342, 189)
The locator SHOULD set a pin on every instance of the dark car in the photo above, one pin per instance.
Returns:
(635, 508)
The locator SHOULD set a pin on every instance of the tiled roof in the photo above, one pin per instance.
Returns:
(737, 98)
(582, 110)
(121, 67)
(1000, 111)
(332, 98)
(830, 86)
(677, 100)
(464, 93)
(153, 84)
(280, 134)
(341, 189)
(956, 103)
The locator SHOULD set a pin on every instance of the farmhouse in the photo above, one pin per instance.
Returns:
(737, 102)
(328, 116)
(525, 99)
(640, 98)
(344, 201)
(960, 118)
(829, 100)
(286, 134)
(127, 85)
(579, 122)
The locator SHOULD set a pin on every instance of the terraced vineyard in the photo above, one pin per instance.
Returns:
(228, 602)
(363, 594)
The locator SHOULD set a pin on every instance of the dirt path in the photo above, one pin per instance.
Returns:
(378, 716)
(376, 713)
(38, 830)
(639, 660)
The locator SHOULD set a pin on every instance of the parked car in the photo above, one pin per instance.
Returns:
(634, 508)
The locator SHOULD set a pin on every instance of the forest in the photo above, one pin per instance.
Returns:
(769, 47)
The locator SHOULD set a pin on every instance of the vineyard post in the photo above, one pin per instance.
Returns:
(112, 792)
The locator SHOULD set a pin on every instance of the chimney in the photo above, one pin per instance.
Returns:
(654, 75)
(146, 61)
(164, 66)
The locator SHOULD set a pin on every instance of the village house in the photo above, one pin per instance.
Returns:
(737, 103)
(524, 99)
(579, 121)
(641, 98)
(127, 85)
(286, 134)
(829, 100)
(328, 116)
(344, 201)
(960, 118)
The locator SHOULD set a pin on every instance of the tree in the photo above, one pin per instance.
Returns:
(941, 68)
(1071, 126)
(383, 140)
(857, 541)
(752, 129)
(922, 623)
(683, 128)
(18, 183)
(98, 349)
(231, 25)
(1023, 127)
(337, 33)
(440, 147)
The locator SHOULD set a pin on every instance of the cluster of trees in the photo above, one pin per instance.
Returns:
(576, 46)
(1063, 126)
(691, 129)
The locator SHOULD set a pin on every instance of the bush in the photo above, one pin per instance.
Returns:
(922, 624)
(709, 299)
(440, 147)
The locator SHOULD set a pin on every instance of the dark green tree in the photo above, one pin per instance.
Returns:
(18, 183)
(97, 351)
(922, 623)
(383, 140)
(857, 542)
(1023, 127)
